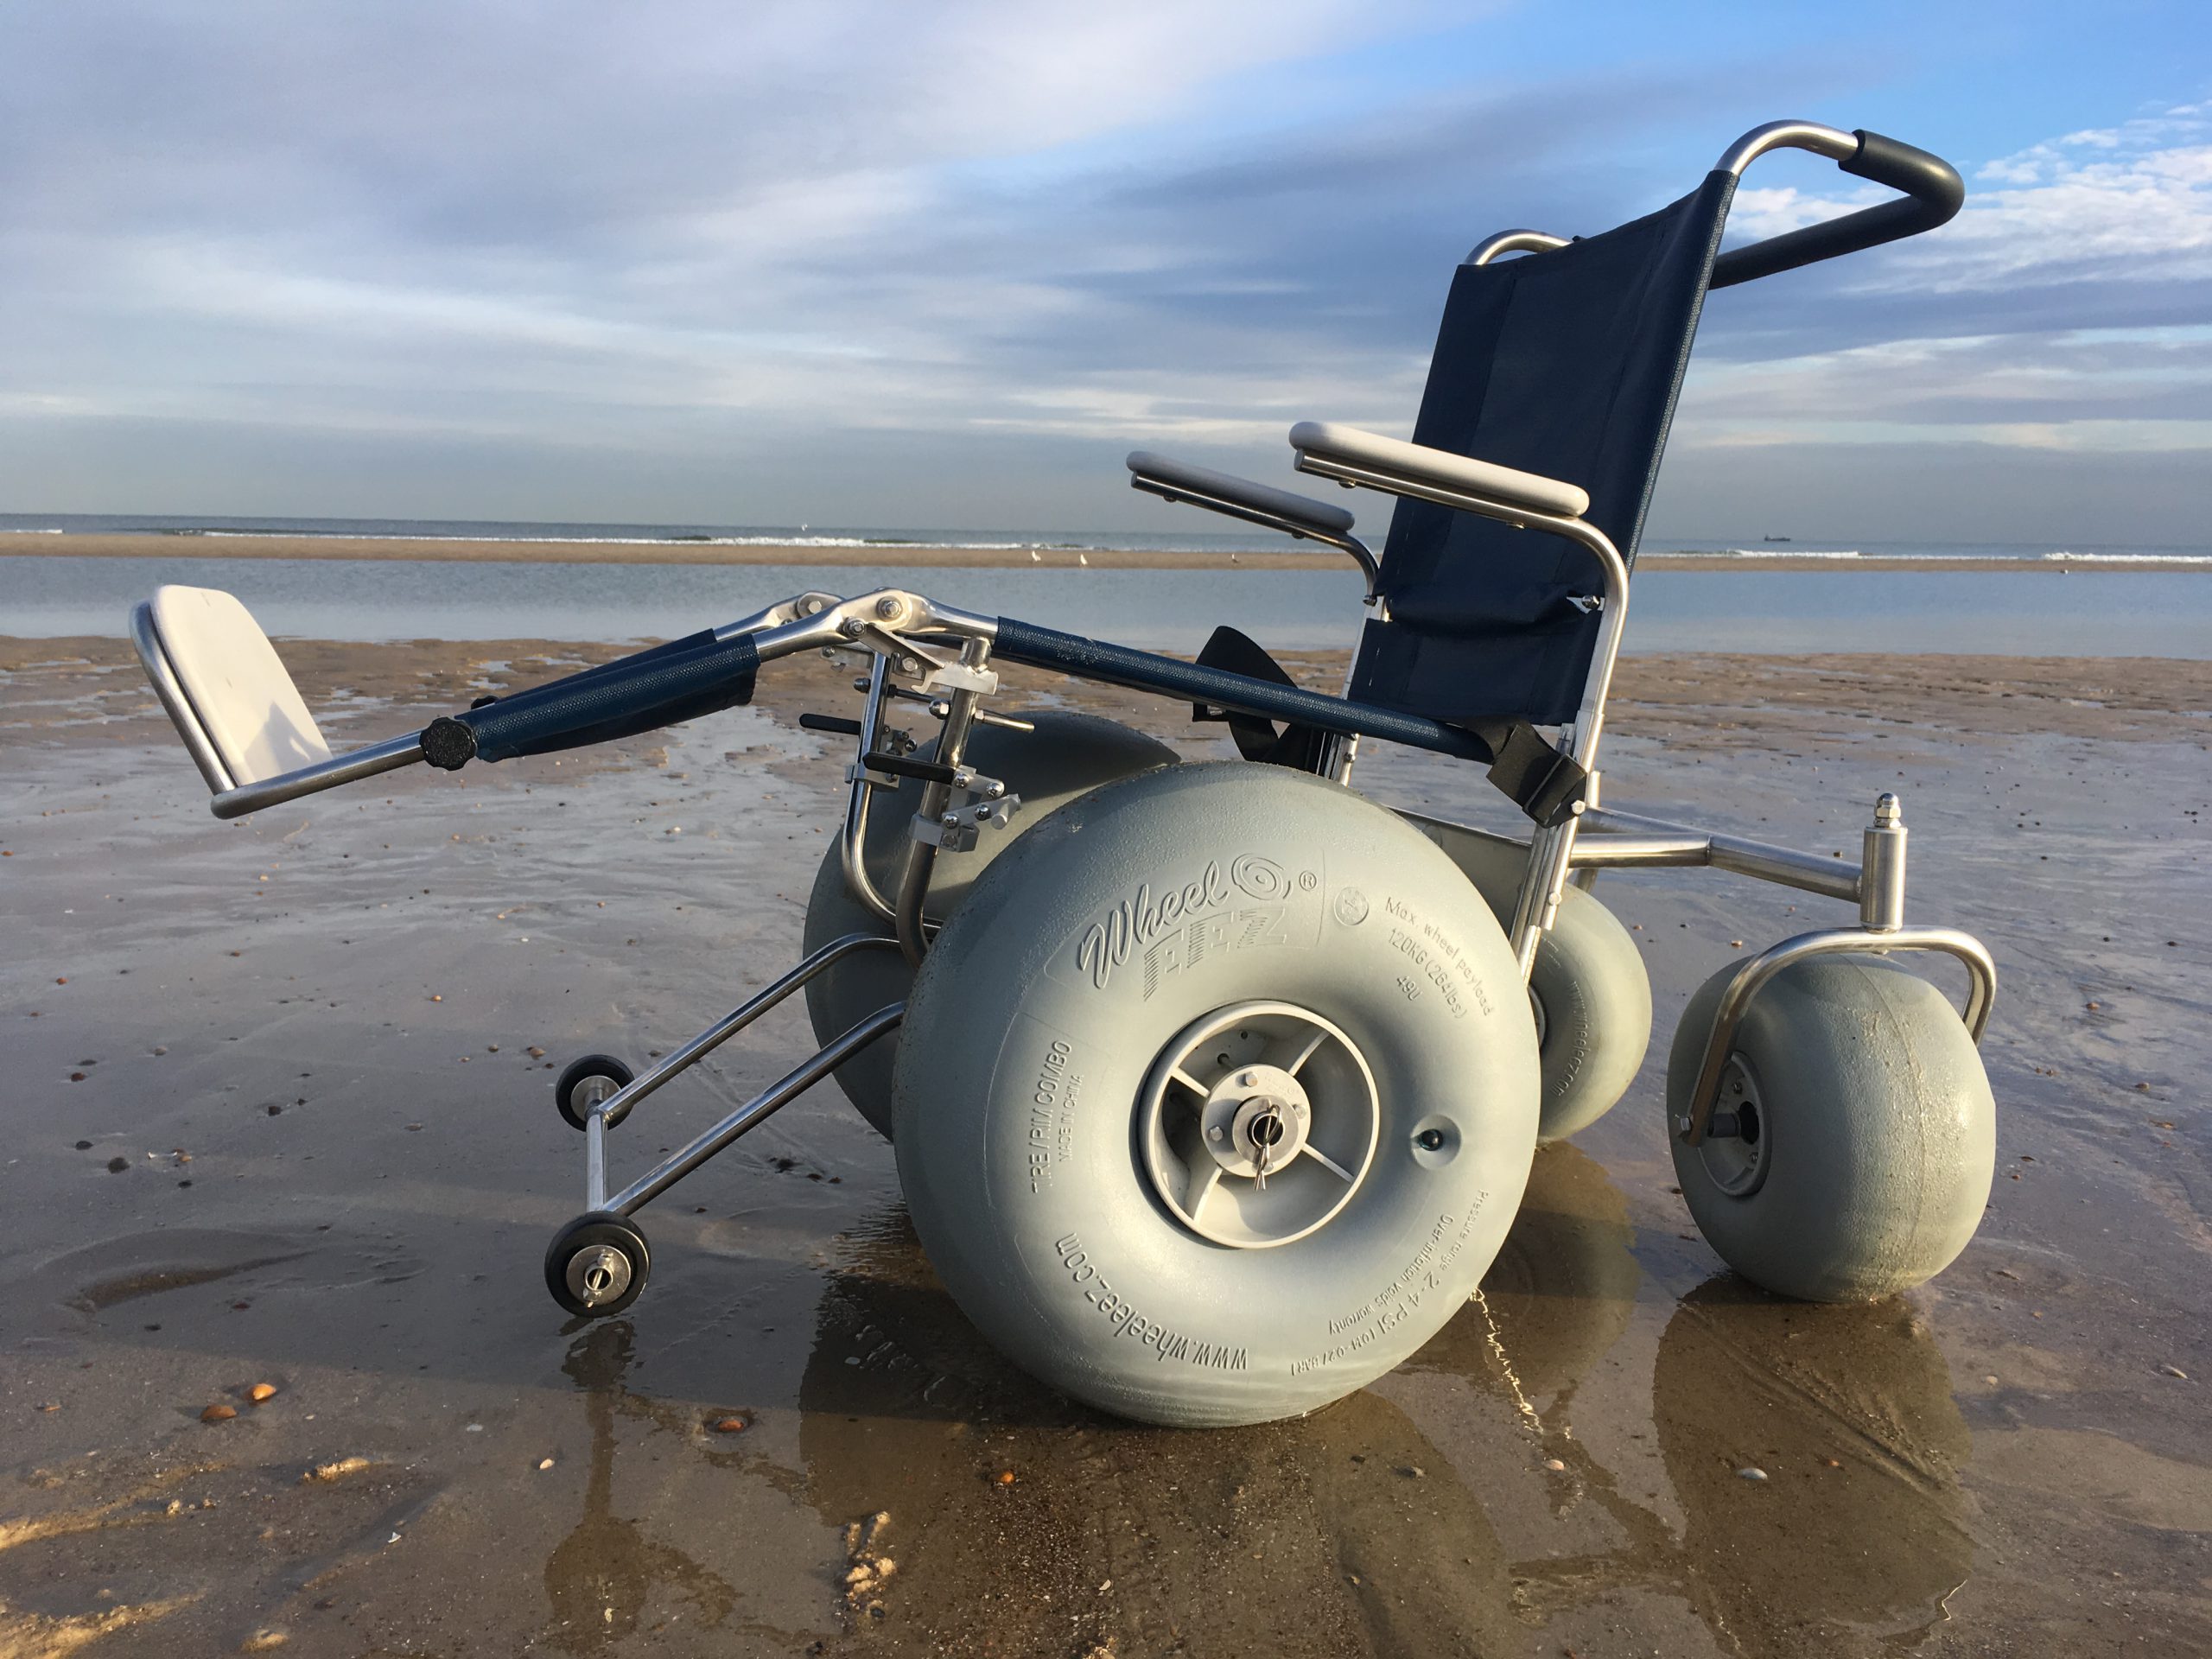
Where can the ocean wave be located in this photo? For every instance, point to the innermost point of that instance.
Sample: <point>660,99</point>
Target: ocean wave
<point>30,530</point>
<point>888,543</point>
<point>2063,557</point>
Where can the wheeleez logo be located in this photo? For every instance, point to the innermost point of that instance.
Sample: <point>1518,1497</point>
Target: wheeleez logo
<point>1179,925</point>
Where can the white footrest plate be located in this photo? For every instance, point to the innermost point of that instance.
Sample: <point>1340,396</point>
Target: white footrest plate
<point>223,686</point>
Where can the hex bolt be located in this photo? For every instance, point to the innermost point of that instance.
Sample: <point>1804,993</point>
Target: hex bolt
<point>1246,1079</point>
<point>888,608</point>
<point>1887,812</point>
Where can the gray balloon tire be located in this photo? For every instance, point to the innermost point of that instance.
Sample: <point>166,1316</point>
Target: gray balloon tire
<point>1026,1044</point>
<point>1881,1131</point>
<point>1590,978</point>
<point>1066,755</point>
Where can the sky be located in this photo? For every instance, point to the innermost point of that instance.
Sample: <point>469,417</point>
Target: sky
<point>866,264</point>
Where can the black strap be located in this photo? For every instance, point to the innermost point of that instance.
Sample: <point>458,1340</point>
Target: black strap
<point>1297,746</point>
<point>1536,776</point>
<point>1525,766</point>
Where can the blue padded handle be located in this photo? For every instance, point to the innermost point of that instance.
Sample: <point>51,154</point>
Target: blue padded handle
<point>681,680</point>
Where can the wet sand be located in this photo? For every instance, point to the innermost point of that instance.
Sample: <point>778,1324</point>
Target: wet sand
<point>279,1114</point>
<point>1272,555</point>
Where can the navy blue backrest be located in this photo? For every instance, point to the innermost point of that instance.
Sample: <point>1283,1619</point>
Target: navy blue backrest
<point>1564,363</point>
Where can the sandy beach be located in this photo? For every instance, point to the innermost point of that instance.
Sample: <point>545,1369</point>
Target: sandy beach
<point>283,1115</point>
<point>1272,554</point>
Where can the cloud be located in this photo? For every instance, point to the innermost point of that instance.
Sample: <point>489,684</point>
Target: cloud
<point>845,260</point>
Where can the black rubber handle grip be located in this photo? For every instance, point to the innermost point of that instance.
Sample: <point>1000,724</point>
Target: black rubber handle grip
<point>930,772</point>
<point>679,681</point>
<point>1933,195</point>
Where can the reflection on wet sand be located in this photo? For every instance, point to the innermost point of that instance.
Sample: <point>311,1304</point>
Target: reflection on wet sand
<point>1848,1412</point>
<point>1560,1294</point>
<point>1343,1532</point>
<point>600,1579</point>
<point>1352,1530</point>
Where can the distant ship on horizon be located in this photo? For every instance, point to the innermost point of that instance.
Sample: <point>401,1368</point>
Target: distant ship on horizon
<point>1774,538</point>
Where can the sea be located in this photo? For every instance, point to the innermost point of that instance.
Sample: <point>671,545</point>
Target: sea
<point>2104,606</point>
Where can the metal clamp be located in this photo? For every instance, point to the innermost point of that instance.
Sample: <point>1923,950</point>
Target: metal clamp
<point>957,829</point>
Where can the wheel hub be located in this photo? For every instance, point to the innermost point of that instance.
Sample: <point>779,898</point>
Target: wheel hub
<point>1737,1162</point>
<point>1257,1123</point>
<point>597,1274</point>
<point>1253,1107</point>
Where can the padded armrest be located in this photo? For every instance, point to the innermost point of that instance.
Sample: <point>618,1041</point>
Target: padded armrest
<point>1437,469</point>
<point>1172,478</point>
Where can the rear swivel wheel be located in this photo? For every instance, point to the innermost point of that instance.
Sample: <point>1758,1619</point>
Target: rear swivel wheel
<point>1066,755</point>
<point>585,1082</point>
<point>1589,990</point>
<point>597,1264</point>
<point>1217,1096</point>
<point>1854,1136</point>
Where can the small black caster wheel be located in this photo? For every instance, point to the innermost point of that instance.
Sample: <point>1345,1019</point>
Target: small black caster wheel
<point>586,1083</point>
<point>597,1264</point>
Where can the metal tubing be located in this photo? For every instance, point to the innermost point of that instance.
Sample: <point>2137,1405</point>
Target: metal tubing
<point>853,841</point>
<point>387,756</point>
<point>1729,1015</point>
<point>920,858</point>
<point>1513,242</point>
<point>916,861</point>
<point>1831,142</point>
<point>1345,542</point>
<point>1655,841</point>
<point>154,657</point>
<point>617,1105</point>
<point>1590,718</point>
<point>782,611</point>
<point>1542,885</point>
<point>1881,882</point>
<point>1595,852</point>
<point>595,1158</point>
<point>756,1111</point>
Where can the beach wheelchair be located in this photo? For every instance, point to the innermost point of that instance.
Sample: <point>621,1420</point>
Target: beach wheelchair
<point>1213,1087</point>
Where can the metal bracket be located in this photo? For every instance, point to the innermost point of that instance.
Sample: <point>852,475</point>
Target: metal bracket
<point>957,830</point>
<point>1728,1017</point>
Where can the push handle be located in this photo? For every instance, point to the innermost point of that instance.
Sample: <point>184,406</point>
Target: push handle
<point>681,680</point>
<point>1933,193</point>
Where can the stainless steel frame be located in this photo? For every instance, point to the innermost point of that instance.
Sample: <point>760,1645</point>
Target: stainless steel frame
<point>604,1114</point>
<point>1552,847</point>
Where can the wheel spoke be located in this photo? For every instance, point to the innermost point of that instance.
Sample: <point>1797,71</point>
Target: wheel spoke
<point>1179,1075</point>
<point>1195,1195</point>
<point>1326,1162</point>
<point>1312,1047</point>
